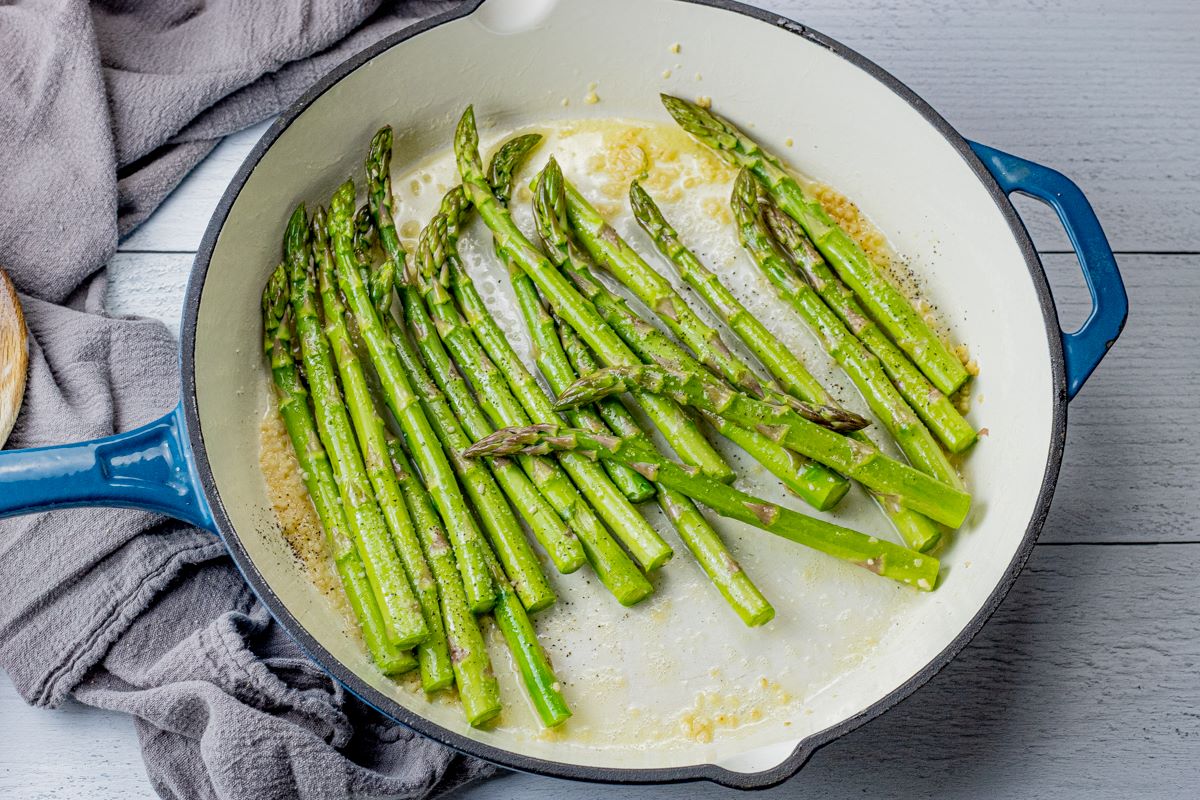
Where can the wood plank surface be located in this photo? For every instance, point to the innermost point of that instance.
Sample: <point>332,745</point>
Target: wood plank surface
<point>1085,683</point>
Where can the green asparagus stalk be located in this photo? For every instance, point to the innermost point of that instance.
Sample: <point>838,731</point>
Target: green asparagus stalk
<point>881,557</point>
<point>684,437</point>
<point>509,613</point>
<point>543,686</point>
<point>642,541</point>
<point>618,574</point>
<point>477,686</point>
<point>402,614</point>
<point>379,195</point>
<point>460,413</point>
<point>815,484</point>
<point>614,568</point>
<point>863,462</point>
<point>918,531</point>
<point>433,653</point>
<point>700,538</point>
<point>884,301</point>
<point>473,338</point>
<point>548,355</point>
<point>819,486</point>
<point>610,251</point>
<point>366,239</point>
<point>582,361</point>
<point>541,326</point>
<point>552,532</point>
<point>654,347</point>
<point>469,546</point>
<point>860,364</point>
<point>500,524</point>
<point>318,478</point>
<point>934,408</point>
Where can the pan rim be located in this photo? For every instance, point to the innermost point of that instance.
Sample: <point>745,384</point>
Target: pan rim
<point>539,766</point>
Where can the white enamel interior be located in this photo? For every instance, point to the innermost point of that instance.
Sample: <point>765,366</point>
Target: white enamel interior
<point>843,638</point>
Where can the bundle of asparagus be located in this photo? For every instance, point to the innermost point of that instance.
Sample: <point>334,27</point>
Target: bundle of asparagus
<point>357,329</point>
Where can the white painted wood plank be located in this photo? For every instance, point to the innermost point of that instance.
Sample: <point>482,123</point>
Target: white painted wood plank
<point>67,753</point>
<point>179,223</point>
<point>148,285</point>
<point>1131,471</point>
<point>1103,91</point>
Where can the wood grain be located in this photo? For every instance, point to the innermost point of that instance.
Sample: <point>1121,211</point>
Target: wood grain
<point>14,356</point>
<point>1084,684</point>
<point>1131,471</point>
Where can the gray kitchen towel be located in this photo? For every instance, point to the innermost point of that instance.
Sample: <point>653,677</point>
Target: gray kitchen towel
<point>103,109</point>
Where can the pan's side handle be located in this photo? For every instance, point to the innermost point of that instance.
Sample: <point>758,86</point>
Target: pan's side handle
<point>149,468</point>
<point>1082,349</point>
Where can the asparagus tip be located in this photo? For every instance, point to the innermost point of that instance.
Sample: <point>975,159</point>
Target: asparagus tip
<point>509,441</point>
<point>295,237</point>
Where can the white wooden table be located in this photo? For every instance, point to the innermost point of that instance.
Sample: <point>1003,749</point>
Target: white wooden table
<point>1087,680</point>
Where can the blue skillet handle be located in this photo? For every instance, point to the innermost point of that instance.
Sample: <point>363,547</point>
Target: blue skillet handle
<point>1084,348</point>
<point>148,468</point>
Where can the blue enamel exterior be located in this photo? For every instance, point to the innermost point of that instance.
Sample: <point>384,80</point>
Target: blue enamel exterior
<point>150,467</point>
<point>1083,349</point>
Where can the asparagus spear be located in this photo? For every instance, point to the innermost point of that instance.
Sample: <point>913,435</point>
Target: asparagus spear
<point>501,171</point>
<point>618,574</point>
<point>318,478</point>
<point>933,407</point>
<point>433,653</point>
<point>532,662</point>
<point>541,325</point>
<point>813,482</point>
<point>879,556</point>
<point>469,546</point>
<point>639,538</point>
<point>402,614</point>
<point>883,300</point>
<point>548,355</point>
<point>704,543</point>
<point>684,437</point>
<point>366,238</point>
<point>614,568</point>
<point>551,531</point>
<point>474,338</point>
<point>477,686</point>
<point>610,251</point>
<point>918,531</point>
<point>912,489</point>
<point>504,532</point>
<point>499,523</point>
<point>862,366</point>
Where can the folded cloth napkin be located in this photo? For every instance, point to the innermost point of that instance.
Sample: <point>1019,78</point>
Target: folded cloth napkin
<point>103,109</point>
